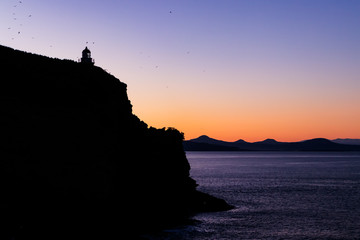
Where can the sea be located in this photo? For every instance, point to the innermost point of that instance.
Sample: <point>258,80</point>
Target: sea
<point>276,195</point>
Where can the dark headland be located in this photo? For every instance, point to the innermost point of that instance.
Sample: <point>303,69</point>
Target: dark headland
<point>76,163</point>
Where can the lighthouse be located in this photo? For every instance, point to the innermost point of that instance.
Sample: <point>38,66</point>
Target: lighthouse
<point>86,57</point>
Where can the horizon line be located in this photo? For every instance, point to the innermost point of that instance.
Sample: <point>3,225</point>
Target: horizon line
<point>239,139</point>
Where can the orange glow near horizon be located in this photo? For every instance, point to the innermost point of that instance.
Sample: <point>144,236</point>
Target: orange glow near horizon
<point>285,121</point>
<point>290,133</point>
<point>253,132</point>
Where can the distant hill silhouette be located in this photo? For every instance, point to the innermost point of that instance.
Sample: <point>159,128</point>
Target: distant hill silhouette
<point>205,143</point>
<point>348,141</point>
<point>76,163</point>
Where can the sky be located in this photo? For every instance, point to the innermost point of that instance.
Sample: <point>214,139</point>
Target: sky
<point>230,69</point>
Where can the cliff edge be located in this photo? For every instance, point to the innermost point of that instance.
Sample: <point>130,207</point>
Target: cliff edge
<point>77,163</point>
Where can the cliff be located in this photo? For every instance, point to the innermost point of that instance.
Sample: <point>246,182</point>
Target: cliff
<point>77,163</point>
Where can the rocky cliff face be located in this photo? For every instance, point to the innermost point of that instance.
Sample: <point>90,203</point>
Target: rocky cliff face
<point>75,162</point>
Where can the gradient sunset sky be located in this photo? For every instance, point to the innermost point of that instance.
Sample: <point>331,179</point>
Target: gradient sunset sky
<point>230,69</point>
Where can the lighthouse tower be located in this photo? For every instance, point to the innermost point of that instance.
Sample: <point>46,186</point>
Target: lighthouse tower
<point>86,57</point>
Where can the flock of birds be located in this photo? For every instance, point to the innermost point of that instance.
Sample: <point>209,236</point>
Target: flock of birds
<point>16,18</point>
<point>17,25</point>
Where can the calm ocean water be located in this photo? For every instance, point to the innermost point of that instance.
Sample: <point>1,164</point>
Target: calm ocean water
<point>277,195</point>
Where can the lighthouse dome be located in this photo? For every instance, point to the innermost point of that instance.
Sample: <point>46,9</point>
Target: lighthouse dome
<point>86,50</point>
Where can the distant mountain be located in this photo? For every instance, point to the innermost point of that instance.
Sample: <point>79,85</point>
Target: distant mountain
<point>205,143</point>
<point>269,141</point>
<point>208,140</point>
<point>240,141</point>
<point>347,141</point>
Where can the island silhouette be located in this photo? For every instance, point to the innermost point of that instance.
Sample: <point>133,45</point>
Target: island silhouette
<point>76,163</point>
<point>205,143</point>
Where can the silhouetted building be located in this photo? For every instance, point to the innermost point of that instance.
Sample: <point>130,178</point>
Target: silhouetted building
<point>86,57</point>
